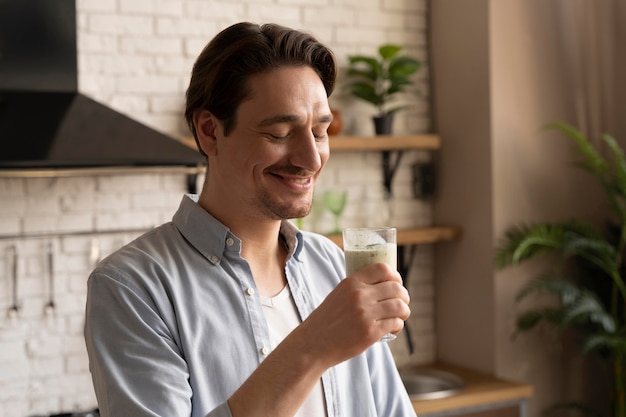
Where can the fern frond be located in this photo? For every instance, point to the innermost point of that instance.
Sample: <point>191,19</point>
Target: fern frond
<point>527,241</point>
<point>619,163</point>
<point>551,284</point>
<point>579,306</point>
<point>615,188</point>
<point>531,318</point>
<point>598,342</point>
<point>567,238</point>
<point>595,250</point>
<point>592,160</point>
<point>587,309</point>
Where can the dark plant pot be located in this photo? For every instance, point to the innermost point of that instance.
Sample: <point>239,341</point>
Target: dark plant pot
<point>383,124</point>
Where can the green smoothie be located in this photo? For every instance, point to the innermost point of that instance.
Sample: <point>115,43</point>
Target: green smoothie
<point>358,258</point>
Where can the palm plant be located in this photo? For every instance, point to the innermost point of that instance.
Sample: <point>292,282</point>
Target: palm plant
<point>588,280</point>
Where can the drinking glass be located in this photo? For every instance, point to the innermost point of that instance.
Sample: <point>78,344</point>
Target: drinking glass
<point>335,202</point>
<point>368,245</point>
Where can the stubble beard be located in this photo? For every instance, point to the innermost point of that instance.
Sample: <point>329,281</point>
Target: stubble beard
<point>279,209</point>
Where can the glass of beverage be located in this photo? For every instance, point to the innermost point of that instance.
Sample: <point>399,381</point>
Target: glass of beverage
<point>368,245</point>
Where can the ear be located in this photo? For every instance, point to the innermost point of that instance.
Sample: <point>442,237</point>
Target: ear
<point>206,128</point>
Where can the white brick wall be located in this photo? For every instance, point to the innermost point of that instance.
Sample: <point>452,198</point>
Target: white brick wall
<point>136,55</point>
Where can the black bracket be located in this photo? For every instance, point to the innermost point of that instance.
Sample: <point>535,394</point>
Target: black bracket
<point>389,170</point>
<point>404,266</point>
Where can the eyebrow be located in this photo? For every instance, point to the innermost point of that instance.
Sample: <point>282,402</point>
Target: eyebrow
<point>286,118</point>
<point>289,118</point>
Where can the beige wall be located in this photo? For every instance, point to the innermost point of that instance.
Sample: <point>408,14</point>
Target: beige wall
<point>499,75</point>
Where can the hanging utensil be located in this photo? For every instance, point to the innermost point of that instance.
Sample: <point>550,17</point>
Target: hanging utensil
<point>49,307</point>
<point>15,308</point>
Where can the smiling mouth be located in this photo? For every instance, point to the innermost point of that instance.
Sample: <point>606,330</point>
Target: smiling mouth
<point>294,180</point>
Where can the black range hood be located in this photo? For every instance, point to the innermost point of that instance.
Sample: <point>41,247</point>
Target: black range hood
<point>45,123</point>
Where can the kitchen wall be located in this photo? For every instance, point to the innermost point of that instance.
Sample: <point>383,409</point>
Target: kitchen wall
<point>135,55</point>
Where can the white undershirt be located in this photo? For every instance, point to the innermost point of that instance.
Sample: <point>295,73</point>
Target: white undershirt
<point>282,317</point>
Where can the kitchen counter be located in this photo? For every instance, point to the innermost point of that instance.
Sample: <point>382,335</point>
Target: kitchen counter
<point>481,393</point>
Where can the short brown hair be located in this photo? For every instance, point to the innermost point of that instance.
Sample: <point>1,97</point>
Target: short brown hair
<point>220,74</point>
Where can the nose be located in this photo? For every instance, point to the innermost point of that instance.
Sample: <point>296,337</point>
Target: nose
<point>308,153</point>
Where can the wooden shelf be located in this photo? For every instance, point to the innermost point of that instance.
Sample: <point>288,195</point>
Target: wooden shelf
<point>369,143</point>
<point>417,236</point>
<point>384,142</point>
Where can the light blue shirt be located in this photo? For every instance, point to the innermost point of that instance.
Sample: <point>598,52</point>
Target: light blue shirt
<point>174,324</point>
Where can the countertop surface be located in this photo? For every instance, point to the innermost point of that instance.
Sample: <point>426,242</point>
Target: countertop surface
<point>479,390</point>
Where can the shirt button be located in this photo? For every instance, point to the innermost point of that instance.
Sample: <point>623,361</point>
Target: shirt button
<point>265,351</point>
<point>250,291</point>
<point>215,259</point>
<point>230,241</point>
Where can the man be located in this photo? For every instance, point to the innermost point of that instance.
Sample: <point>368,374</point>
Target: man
<point>229,310</point>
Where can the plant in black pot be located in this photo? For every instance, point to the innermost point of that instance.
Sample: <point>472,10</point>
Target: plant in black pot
<point>379,79</point>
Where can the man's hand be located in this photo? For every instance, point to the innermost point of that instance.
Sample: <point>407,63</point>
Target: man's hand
<point>357,313</point>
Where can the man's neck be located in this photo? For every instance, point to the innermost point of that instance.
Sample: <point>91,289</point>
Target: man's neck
<point>261,245</point>
<point>266,257</point>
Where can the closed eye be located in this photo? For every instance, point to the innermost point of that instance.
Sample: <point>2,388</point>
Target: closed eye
<point>322,135</point>
<point>279,137</point>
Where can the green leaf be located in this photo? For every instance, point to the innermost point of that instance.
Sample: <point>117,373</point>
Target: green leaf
<point>363,59</point>
<point>364,66</point>
<point>618,157</point>
<point>527,241</point>
<point>619,175</point>
<point>566,239</point>
<point>403,67</point>
<point>367,93</point>
<point>595,250</point>
<point>555,285</point>
<point>592,160</point>
<point>599,342</point>
<point>579,305</point>
<point>587,309</point>
<point>531,318</point>
<point>388,51</point>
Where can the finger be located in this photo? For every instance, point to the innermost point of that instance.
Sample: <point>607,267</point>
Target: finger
<point>392,308</point>
<point>378,272</point>
<point>391,290</point>
<point>391,325</point>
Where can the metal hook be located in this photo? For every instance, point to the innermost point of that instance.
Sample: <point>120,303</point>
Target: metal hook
<point>49,307</point>
<point>15,308</point>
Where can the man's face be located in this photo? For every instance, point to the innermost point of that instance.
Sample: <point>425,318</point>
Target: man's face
<point>269,163</point>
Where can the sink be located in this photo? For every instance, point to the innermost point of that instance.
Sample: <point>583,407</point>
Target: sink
<point>429,384</point>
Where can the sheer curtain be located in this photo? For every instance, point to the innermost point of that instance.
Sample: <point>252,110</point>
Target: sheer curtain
<point>593,36</point>
<point>590,31</point>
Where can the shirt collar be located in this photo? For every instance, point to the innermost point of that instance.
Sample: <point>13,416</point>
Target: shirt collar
<point>209,236</point>
<point>293,238</point>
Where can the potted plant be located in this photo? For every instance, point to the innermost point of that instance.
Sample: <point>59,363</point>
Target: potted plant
<point>379,79</point>
<point>588,279</point>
